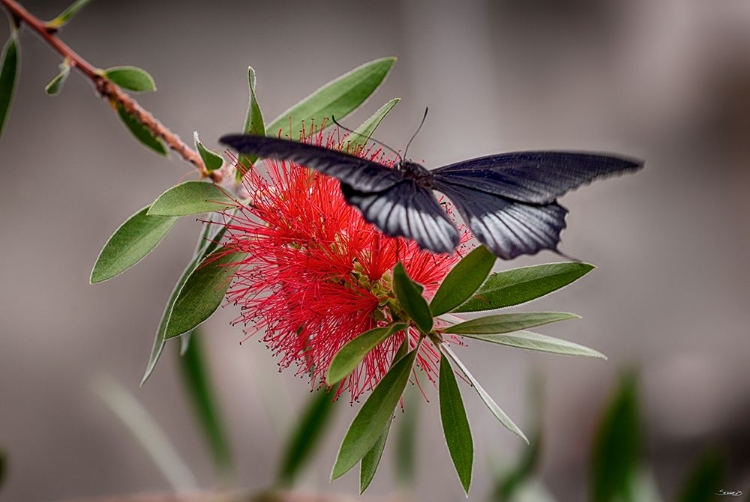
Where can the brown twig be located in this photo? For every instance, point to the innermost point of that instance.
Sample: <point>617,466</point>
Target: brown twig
<point>107,89</point>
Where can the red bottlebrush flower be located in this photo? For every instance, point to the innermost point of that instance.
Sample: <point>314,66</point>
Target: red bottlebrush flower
<point>316,274</point>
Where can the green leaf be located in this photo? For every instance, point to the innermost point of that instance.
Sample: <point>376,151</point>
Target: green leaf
<point>207,243</point>
<point>521,285</point>
<point>130,78</point>
<point>211,160</point>
<point>336,99</point>
<point>406,448</point>
<point>705,482</point>
<point>455,425</point>
<point>306,436</point>
<point>361,135</point>
<point>254,124</point>
<point>67,14</point>
<point>409,296</point>
<point>617,446</point>
<point>488,401</point>
<point>3,466</point>
<point>146,431</point>
<point>510,486</point>
<point>141,132</point>
<point>191,197</point>
<point>57,83</point>
<point>203,292</point>
<point>372,419</point>
<point>505,323</point>
<point>351,354</point>
<point>196,379</point>
<point>536,341</point>
<point>463,280</point>
<point>370,462</point>
<point>8,76</point>
<point>130,244</point>
<point>369,465</point>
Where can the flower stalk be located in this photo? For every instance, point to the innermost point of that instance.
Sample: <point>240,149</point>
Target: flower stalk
<point>107,89</point>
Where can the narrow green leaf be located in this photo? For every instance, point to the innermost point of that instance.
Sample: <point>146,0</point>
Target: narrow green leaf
<point>67,14</point>
<point>374,416</point>
<point>463,280</point>
<point>645,488</point>
<point>488,401</point>
<point>57,83</point>
<point>617,446</point>
<point>8,76</point>
<point>130,244</point>
<point>3,466</point>
<point>202,293</point>
<point>361,135</point>
<point>336,99</point>
<point>521,285</point>
<point>254,123</point>
<point>191,197</point>
<point>211,160</point>
<point>131,78</point>
<point>510,486</point>
<point>409,296</point>
<point>371,461</point>
<point>207,243</point>
<point>351,354</point>
<point>705,482</point>
<point>536,341</point>
<point>455,425</point>
<point>146,430</point>
<point>141,132</point>
<point>505,323</point>
<point>196,379</point>
<point>160,340</point>
<point>210,239</point>
<point>305,437</point>
<point>369,465</point>
<point>406,444</point>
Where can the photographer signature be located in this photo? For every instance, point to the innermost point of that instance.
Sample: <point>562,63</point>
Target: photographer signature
<point>735,493</point>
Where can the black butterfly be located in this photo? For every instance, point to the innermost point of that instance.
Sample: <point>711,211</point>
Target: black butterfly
<point>509,200</point>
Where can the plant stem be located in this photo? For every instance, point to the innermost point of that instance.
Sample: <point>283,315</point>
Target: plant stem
<point>107,89</point>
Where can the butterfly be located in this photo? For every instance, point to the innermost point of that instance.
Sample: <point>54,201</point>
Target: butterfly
<point>509,201</point>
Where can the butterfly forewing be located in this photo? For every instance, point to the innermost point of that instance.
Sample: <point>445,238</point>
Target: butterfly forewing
<point>507,227</point>
<point>535,177</point>
<point>508,200</point>
<point>361,174</point>
<point>407,210</point>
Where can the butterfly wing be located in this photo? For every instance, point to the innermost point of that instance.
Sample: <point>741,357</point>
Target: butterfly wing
<point>358,173</point>
<point>533,177</point>
<point>509,228</point>
<point>407,209</point>
<point>397,205</point>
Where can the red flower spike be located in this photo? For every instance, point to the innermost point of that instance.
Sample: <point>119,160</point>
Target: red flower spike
<point>316,274</point>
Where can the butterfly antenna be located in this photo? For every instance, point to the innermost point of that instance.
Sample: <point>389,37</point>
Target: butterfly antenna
<point>367,138</point>
<point>568,257</point>
<point>417,131</point>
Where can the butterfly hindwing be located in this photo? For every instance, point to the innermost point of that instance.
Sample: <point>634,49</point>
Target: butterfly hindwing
<point>509,228</point>
<point>535,177</point>
<point>361,174</point>
<point>407,210</point>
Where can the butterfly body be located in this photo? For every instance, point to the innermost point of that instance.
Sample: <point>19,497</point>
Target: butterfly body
<point>509,201</point>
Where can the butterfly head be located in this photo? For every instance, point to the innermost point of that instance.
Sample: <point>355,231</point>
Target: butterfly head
<point>414,171</point>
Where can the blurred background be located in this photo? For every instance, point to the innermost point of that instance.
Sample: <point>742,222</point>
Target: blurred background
<point>665,81</point>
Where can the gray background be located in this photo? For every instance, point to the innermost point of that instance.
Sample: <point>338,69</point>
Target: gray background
<point>666,81</point>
